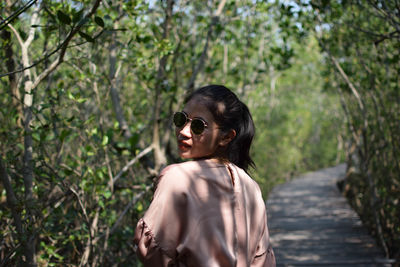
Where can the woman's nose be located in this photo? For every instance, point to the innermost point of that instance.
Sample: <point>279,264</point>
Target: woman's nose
<point>185,130</point>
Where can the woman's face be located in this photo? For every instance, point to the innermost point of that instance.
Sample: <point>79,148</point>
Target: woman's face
<point>192,146</point>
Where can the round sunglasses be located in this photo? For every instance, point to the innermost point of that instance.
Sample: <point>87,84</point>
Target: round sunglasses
<point>197,125</point>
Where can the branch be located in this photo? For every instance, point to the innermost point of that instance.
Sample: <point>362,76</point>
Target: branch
<point>381,36</point>
<point>20,41</point>
<point>133,202</point>
<point>90,243</point>
<point>10,18</point>
<point>32,30</point>
<point>70,169</point>
<point>11,199</point>
<point>388,14</point>
<point>387,36</point>
<point>81,204</point>
<point>341,71</point>
<point>113,79</point>
<point>86,254</point>
<point>347,80</point>
<point>131,162</point>
<point>159,153</point>
<point>63,47</point>
<point>220,8</point>
<point>123,213</point>
<point>203,57</point>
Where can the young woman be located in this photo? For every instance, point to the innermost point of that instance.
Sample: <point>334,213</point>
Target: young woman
<point>208,211</point>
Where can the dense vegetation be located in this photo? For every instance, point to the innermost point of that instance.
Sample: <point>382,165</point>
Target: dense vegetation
<point>360,40</point>
<point>88,89</point>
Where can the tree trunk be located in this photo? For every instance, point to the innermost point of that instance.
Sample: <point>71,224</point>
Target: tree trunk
<point>113,78</point>
<point>29,239</point>
<point>159,152</point>
<point>10,64</point>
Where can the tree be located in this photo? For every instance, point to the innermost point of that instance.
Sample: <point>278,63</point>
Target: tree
<point>27,233</point>
<point>86,120</point>
<point>360,41</point>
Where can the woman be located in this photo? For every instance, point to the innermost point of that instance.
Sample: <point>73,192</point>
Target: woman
<point>208,212</point>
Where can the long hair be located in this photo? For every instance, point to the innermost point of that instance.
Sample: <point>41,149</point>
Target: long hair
<point>230,113</point>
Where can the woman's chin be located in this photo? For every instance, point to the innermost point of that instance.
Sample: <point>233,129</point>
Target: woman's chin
<point>184,154</point>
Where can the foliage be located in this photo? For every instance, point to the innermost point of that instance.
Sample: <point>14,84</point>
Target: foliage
<point>360,41</point>
<point>300,122</point>
<point>87,92</point>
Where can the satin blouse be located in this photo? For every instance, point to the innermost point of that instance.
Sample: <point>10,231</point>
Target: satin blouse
<point>205,213</point>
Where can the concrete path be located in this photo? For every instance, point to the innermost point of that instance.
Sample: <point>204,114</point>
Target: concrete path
<point>311,224</point>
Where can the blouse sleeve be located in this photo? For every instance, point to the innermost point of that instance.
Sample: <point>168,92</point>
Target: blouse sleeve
<point>148,251</point>
<point>264,256</point>
<point>160,231</point>
<point>266,259</point>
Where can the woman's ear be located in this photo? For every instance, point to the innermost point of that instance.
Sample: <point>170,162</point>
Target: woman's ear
<point>227,137</point>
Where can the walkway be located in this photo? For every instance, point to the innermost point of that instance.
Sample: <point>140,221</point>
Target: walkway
<point>311,224</point>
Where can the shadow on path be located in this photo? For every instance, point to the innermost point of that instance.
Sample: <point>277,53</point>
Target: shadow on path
<point>311,224</point>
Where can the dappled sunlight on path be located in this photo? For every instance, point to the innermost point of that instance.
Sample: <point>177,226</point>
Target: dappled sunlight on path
<point>311,224</point>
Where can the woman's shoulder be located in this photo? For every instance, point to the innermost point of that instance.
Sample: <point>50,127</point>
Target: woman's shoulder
<point>247,180</point>
<point>189,167</point>
<point>184,173</point>
<point>177,175</point>
<point>182,168</point>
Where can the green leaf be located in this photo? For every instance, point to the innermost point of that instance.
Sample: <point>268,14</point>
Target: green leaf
<point>64,134</point>
<point>107,194</point>
<point>71,96</point>
<point>63,18</point>
<point>83,21</point>
<point>105,140</point>
<point>139,207</point>
<point>36,137</point>
<point>71,119</point>
<point>68,172</point>
<point>99,21</point>
<point>77,16</point>
<point>134,140</point>
<point>44,106</point>
<point>81,100</point>
<point>87,37</point>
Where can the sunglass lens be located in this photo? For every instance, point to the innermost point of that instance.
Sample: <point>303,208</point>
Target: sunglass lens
<point>197,126</point>
<point>179,119</point>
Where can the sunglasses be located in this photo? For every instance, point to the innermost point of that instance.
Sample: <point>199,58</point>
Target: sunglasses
<point>197,125</point>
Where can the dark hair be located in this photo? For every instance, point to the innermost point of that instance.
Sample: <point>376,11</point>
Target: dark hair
<point>234,114</point>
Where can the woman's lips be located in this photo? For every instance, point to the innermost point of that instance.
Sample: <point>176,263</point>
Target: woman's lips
<point>183,145</point>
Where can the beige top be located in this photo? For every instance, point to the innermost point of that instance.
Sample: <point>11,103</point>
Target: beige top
<point>207,214</point>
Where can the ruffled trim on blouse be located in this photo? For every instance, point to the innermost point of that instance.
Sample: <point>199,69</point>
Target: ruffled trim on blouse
<point>265,259</point>
<point>147,248</point>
